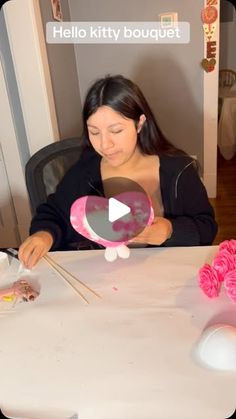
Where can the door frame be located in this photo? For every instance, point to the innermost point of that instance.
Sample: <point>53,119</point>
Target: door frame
<point>210,118</point>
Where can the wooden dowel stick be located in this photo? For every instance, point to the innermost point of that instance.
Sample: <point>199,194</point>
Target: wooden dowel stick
<point>66,279</point>
<point>72,276</point>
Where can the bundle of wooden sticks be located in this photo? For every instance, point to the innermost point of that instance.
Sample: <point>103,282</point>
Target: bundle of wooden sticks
<point>71,279</point>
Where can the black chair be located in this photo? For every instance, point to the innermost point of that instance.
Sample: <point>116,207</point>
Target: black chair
<point>46,168</point>
<point>227,78</point>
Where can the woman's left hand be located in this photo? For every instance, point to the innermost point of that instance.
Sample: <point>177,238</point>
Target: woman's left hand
<point>157,233</point>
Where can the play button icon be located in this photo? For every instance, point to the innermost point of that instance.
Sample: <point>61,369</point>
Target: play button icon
<point>116,210</point>
<point>120,214</point>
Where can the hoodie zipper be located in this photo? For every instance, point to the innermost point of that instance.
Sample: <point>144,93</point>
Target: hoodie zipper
<point>93,187</point>
<point>177,179</point>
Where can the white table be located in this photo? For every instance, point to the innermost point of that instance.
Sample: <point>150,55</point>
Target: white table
<point>227,123</point>
<point>127,355</point>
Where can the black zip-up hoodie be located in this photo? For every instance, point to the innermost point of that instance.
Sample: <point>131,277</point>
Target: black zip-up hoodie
<point>184,199</point>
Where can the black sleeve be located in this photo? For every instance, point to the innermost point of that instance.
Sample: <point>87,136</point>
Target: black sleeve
<point>54,215</point>
<point>194,223</point>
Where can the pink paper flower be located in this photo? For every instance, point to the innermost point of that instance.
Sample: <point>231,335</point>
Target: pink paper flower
<point>229,245</point>
<point>209,281</point>
<point>223,263</point>
<point>230,284</point>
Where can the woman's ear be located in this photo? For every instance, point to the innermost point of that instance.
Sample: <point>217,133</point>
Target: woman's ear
<point>141,121</point>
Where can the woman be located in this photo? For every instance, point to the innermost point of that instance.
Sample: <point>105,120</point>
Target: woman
<point>122,139</point>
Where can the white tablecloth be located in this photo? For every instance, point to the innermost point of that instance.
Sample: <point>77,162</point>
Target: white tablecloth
<point>127,355</point>
<point>227,123</point>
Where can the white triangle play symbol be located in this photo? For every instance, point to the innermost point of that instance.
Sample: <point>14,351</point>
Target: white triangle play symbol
<point>116,209</point>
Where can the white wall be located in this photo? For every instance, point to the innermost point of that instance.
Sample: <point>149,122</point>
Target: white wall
<point>14,206</point>
<point>62,64</point>
<point>27,45</point>
<point>169,75</point>
<point>183,97</point>
<point>28,117</point>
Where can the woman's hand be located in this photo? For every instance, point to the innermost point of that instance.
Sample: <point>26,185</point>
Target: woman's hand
<point>157,233</point>
<point>34,248</point>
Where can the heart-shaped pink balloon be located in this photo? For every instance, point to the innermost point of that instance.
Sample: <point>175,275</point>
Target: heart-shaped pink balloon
<point>89,214</point>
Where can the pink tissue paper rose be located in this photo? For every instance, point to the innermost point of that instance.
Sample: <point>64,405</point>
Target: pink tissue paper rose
<point>230,284</point>
<point>223,263</point>
<point>209,281</point>
<point>229,245</point>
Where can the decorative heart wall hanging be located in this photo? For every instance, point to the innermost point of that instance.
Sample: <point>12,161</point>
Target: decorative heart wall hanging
<point>209,16</point>
<point>208,65</point>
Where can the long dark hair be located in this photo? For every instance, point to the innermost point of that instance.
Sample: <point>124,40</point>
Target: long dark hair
<point>125,97</point>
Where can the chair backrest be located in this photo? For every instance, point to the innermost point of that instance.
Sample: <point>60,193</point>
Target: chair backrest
<point>46,168</point>
<point>227,78</point>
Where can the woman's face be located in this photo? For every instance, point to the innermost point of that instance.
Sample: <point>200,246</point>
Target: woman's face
<point>112,135</point>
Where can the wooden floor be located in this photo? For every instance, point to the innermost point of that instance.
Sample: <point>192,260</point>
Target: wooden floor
<point>225,202</point>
